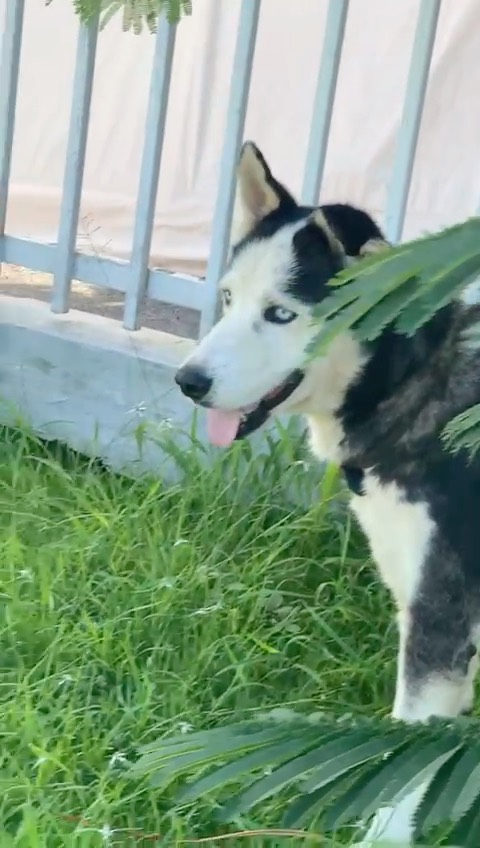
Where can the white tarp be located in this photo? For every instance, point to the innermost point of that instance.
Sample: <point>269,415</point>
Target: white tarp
<point>446,182</point>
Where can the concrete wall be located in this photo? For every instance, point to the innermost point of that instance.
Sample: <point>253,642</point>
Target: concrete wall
<point>85,380</point>
<point>108,392</point>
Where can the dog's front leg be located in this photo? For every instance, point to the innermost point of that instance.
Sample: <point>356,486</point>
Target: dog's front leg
<point>436,665</point>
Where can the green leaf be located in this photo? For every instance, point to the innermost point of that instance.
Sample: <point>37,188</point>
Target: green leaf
<point>359,765</point>
<point>463,431</point>
<point>285,774</point>
<point>220,750</point>
<point>202,737</point>
<point>136,13</point>
<point>390,780</point>
<point>368,294</point>
<point>344,308</point>
<point>358,747</point>
<point>205,748</point>
<point>466,832</point>
<point>305,807</point>
<point>387,310</point>
<point>439,291</point>
<point>375,260</point>
<point>443,791</point>
<point>416,764</point>
<point>362,798</point>
<point>459,789</point>
<point>262,758</point>
<point>339,755</point>
<point>370,794</point>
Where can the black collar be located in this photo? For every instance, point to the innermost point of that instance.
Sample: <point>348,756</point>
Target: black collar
<point>354,478</point>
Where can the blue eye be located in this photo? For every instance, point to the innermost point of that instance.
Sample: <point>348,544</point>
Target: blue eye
<point>279,315</point>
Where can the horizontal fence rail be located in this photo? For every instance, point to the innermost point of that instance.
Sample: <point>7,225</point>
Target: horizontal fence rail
<point>135,278</point>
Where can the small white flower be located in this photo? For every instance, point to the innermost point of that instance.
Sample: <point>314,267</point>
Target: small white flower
<point>208,610</point>
<point>65,680</point>
<point>185,727</point>
<point>139,409</point>
<point>106,833</point>
<point>118,759</point>
<point>26,574</point>
<point>166,583</point>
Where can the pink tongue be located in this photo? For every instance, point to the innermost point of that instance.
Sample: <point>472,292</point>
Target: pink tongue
<point>222,427</point>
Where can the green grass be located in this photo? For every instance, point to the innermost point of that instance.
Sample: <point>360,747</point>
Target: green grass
<point>130,610</point>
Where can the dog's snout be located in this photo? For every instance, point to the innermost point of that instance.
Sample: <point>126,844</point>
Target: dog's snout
<point>194,382</point>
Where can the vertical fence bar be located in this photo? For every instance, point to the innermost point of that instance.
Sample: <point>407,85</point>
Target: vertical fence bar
<point>411,118</point>
<point>74,164</point>
<point>324,100</point>
<point>11,45</point>
<point>149,171</point>
<point>237,107</point>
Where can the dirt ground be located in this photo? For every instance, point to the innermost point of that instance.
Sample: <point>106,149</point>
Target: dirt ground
<point>21,282</point>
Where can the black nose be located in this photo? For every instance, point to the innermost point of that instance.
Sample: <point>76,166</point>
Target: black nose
<point>193,382</point>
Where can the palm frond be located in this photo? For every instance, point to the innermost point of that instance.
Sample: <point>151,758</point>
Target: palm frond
<point>136,13</point>
<point>463,431</point>
<point>403,285</point>
<point>341,770</point>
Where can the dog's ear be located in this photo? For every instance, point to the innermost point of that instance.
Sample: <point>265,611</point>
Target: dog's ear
<point>373,246</point>
<point>318,225</point>
<point>258,192</point>
<point>317,244</point>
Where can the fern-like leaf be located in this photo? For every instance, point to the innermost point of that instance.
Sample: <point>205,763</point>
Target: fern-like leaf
<point>136,13</point>
<point>306,806</point>
<point>400,776</point>
<point>338,756</point>
<point>344,771</point>
<point>463,431</point>
<point>466,832</point>
<point>171,756</point>
<point>404,285</point>
<point>456,787</point>
<point>236,769</point>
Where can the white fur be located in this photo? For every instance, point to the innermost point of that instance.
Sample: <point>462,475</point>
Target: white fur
<point>247,356</point>
<point>399,534</point>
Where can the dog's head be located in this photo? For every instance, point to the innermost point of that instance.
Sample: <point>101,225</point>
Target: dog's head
<point>253,362</point>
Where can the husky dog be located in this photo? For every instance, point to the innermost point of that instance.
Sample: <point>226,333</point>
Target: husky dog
<point>376,409</point>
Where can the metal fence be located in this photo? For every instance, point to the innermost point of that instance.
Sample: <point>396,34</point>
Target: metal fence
<point>135,278</point>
